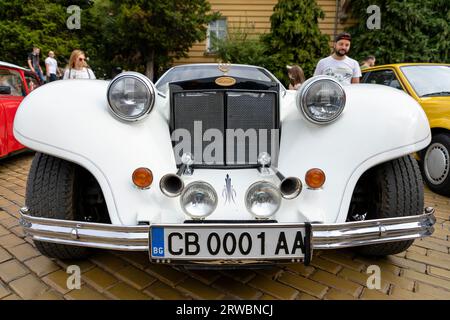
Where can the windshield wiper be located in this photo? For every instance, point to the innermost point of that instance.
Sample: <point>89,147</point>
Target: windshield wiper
<point>440,93</point>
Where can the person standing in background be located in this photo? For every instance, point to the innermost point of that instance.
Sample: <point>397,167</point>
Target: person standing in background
<point>368,62</point>
<point>34,63</point>
<point>51,67</point>
<point>78,68</point>
<point>296,77</point>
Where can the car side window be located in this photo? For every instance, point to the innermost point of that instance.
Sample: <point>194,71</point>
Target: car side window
<point>32,82</point>
<point>13,80</point>
<point>383,77</point>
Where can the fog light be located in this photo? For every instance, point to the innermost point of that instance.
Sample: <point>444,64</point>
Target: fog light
<point>199,200</point>
<point>263,199</point>
<point>315,178</point>
<point>142,178</point>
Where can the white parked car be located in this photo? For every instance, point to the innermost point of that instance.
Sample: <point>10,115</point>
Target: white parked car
<point>220,164</point>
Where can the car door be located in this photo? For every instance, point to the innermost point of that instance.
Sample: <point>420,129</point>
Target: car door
<point>8,107</point>
<point>386,77</point>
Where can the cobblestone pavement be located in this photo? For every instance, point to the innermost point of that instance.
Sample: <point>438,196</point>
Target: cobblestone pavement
<point>423,272</point>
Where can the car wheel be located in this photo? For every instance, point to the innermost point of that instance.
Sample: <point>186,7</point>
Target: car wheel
<point>436,164</point>
<point>51,193</point>
<point>393,189</point>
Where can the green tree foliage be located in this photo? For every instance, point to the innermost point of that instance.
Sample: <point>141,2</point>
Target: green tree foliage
<point>411,31</point>
<point>241,48</point>
<point>295,37</point>
<point>142,33</point>
<point>38,22</point>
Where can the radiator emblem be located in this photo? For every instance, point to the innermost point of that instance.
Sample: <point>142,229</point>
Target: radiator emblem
<point>225,81</point>
<point>228,191</point>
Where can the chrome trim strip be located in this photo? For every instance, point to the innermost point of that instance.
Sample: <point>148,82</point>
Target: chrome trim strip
<point>136,238</point>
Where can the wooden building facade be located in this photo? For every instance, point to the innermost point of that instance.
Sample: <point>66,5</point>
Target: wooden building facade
<point>253,16</point>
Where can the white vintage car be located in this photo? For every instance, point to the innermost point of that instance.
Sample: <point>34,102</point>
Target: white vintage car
<point>220,164</point>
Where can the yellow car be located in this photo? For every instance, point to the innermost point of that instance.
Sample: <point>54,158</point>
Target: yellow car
<point>429,84</point>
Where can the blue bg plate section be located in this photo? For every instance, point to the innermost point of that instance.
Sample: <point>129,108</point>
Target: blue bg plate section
<point>157,242</point>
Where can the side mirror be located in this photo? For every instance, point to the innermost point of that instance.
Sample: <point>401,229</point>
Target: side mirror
<point>5,90</point>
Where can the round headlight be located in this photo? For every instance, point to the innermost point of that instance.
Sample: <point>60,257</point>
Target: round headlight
<point>199,200</point>
<point>263,199</point>
<point>321,99</point>
<point>131,96</point>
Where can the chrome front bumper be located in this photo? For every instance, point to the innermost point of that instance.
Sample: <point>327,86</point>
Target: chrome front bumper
<point>136,238</point>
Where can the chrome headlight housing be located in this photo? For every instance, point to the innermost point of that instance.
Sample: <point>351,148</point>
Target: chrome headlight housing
<point>321,99</point>
<point>263,199</point>
<point>131,96</point>
<point>199,200</point>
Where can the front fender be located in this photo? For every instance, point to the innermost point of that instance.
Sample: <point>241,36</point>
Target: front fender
<point>378,124</point>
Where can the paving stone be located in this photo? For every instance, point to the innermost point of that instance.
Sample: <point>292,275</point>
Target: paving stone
<point>84,265</point>
<point>437,293</point>
<point>166,274</point>
<point>434,271</point>
<point>384,265</point>
<point>273,288</point>
<point>4,255</point>
<point>28,287</point>
<point>271,273</point>
<point>406,263</point>
<point>12,297</point>
<point>198,290</point>
<point>398,281</point>
<point>58,280</point>
<point>430,260</point>
<point>237,289</point>
<point>84,293</point>
<point>122,291</point>
<point>138,259</point>
<point>338,283</point>
<point>135,277</point>
<point>431,245</point>
<point>418,250</point>
<point>437,282</point>
<point>24,252</point>
<point>372,294</point>
<point>109,262</point>
<point>205,276</point>
<point>49,295</point>
<point>439,255</point>
<point>4,291</point>
<point>11,270</point>
<point>402,294</point>
<point>305,285</point>
<point>301,269</point>
<point>240,275</point>
<point>305,296</point>
<point>362,278</point>
<point>10,240</point>
<point>41,265</point>
<point>99,279</point>
<point>334,294</point>
<point>266,296</point>
<point>342,260</point>
<point>326,265</point>
<point>161,291</point>
<point>3,231</point>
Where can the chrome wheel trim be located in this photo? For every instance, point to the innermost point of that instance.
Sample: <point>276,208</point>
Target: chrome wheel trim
<point>437,163</point>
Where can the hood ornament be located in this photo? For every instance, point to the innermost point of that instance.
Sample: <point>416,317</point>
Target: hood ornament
<point>228,191</point>
<point>224,67</point>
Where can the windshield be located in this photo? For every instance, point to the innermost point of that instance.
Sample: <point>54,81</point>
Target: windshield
<point>190,72</point>
<point>428,81</point>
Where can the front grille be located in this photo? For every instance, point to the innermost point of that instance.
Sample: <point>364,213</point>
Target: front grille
<point>225,128</point>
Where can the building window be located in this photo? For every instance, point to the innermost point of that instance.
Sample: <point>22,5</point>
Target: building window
<point>217,29</point>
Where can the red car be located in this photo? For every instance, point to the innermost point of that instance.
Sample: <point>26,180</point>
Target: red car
<point>15,83</point>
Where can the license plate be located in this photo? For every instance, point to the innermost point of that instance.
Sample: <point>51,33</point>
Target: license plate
<point>230,242</point>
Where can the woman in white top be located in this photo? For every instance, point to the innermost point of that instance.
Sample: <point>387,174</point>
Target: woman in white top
<point>78,68</point>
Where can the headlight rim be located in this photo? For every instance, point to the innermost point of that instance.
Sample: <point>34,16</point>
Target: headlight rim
<point>302,95</point>
<point>187,187</point>
<point>150,88</point>
<point>274,187</point>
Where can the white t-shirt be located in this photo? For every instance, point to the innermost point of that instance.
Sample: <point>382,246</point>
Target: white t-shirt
<point>52,65</point>
<point>342,70</point>
<point>84,73</point>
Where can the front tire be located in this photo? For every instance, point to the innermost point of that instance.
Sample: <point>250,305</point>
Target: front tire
<point>393,189</point>
<point>436,164</point>
<point>51,193</point>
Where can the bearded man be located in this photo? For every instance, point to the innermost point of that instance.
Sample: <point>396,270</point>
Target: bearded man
<point>339,66</point>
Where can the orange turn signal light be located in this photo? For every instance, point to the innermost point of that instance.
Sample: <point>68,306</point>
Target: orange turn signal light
<point>143,178</point>
<point>315,178</point>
